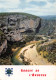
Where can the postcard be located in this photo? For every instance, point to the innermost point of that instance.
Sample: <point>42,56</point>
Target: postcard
<point>27,40</point>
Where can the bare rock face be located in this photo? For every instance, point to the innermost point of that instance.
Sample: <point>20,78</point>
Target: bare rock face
<point>3,43</point>
<point>14,26</point>
<point>29,24</point>
<point>48,27</point>
<point>14,36</point>
<point>3,47</point>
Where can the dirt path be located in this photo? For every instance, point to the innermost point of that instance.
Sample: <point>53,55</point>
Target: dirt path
<point>31,54</point>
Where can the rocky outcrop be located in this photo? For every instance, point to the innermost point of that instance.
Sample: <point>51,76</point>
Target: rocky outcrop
<point>16,25</point>
<point>3,43</point>
<point>3,47</point>
<point>29,24</point>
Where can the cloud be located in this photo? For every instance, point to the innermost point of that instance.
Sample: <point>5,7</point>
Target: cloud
<point>52,1</point>
<point>35,0</point>
<point>42,0</point>
<point>9,3</point>
<point>39,3</point>
<point>36,7</point>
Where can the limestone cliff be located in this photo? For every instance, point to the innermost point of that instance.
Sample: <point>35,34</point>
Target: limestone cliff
<point>3,43</point>
<point>14,26</point>
<point>3,47</point>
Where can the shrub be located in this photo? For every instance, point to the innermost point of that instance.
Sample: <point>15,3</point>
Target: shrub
<point>29,38</point>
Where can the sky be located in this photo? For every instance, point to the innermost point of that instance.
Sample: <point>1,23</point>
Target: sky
<point>35,7</point>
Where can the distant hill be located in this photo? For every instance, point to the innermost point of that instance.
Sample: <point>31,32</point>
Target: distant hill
<point>53,17</point>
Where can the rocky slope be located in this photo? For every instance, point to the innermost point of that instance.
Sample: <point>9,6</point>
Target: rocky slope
<point>48,50</point>
<point>15,25</point>
<point>3,43</point>
<point>48,27</point>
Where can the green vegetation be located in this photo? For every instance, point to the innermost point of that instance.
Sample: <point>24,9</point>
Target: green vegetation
<point>5,61</point>
<point>14,60</point>
<point>29,38</point>
<point>24,62</point>
<point>38,38</point>
<point>9,29</point>
<point>13,13</point>
<point>1,33</point>
<point>48,51</point>
<point>2,37</point>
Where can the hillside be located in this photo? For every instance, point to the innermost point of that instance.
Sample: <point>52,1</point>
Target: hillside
<point>28,23</point>
<point>18,29</point>
<point>48,50</point>
<point>48,27</point>
<point>50,17</point>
